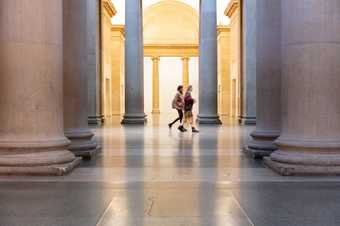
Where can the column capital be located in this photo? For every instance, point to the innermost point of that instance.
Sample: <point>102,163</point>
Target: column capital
<point>185,58</point>
<point>155,58</point>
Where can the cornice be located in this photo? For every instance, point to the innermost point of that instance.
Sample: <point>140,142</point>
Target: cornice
<point>109,7</point>
<point>231,8</point>
<point>118,28</point>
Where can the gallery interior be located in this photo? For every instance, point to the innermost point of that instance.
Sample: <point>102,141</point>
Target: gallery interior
<point>86,98</point>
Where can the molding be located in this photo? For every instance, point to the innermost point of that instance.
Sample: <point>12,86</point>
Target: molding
<point>231,8</point>
<point>109,7</point>
<point>118,28</point>
<point>171,50</point>
<point>223,29</point>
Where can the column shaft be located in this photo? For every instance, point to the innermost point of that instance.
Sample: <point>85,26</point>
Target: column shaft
<point>75,79</point>
<point>310,137</point>
<point>93,71</point>
<point>185,66</point>
<point>155,85</point>
<point>208,64</point>
<point>268,81</point>
<point>249,71</point>
<point>32,137</point>
<point>134,64</point>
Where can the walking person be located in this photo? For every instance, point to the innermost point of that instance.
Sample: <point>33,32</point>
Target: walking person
<point>178,104</point>
<point>188,106</point>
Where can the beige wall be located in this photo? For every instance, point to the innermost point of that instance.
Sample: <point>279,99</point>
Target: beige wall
<point>224,71</point>
<point>233,11</point>
<point>108,12</point>
<point>117,69</point>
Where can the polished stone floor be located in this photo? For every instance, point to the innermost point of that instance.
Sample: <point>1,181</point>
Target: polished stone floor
<point>153,176</point>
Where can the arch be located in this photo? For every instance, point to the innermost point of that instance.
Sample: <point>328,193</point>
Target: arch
<point>171,22</point>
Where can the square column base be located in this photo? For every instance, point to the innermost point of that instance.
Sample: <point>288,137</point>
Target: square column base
<point>134,120</point>
<point>247,120</point>
<point>88,155</point>
<point>49,170</point>
<point>209,120</point>
<point>256,153</point>
<point>301,170</point>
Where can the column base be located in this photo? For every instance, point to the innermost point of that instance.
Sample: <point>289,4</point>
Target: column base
<point>256,153</point>
<point>134,119</point>
<point>262,143</point>
<point>82,144</point>
<point>95,120</point>
<point>247,120</point>
<point>41,162</point>
<point>50,170</point>
<point>209,120</point>
<point>285,169</point>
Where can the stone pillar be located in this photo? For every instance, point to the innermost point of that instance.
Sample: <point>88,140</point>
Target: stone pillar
<point>310,137</point>
<point>185,63</point>
<point>134,63</point>
<point>268,71</point>
<point>248,73</point>
<point>32,137</point>
<point>75,79</point>
<point>155,85</point>
<point>208,64</point>
<point>93,71</point>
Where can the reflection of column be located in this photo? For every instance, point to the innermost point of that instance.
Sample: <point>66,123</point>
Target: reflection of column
<point>155,85</point>
<point>134,61</point>
<point>75,79</point>
<point>32,137</point>
<point>268,81</point>
<point>310,137</point>
<point>208,64</point>
<point>185,61</point>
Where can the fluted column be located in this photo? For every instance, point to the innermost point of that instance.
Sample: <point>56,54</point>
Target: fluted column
<point>310,137</point>
<point>185,68</point>
<point>134,63</point>
<point>155,85</point>
<point>268,71</point>
<point>75,79</point>
<point>208,64</point>
<point>32,137</point>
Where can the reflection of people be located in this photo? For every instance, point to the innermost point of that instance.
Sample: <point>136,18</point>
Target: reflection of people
<point>188,105</point>
<point>178,104</point>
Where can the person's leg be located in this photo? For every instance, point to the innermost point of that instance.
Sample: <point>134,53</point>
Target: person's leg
<point>193,128</point>
<point>181,126</point>
<point>177,119</point>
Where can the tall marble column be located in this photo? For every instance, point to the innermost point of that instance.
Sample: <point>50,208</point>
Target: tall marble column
<point>134,63</point>
<point>310,137</point>
<point>268,81</point>
<point>208,64</point>
<point>248,75</point>
<point>185,63</point>
<point>155,85</point>
<point>32,137</point>
<point>93,71</point>
<point>75,79</point>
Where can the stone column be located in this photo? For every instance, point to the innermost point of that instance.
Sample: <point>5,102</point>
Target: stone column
<point>208,64</point>
<point>32,137</point>
<point>268,71</point>
<point>248,73</point>
<point>310,137</point>
<point>75,79</point>
<point>93,72</point>
<point>134,63</point>
<point>185,63</point>
<point>155,85</point>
